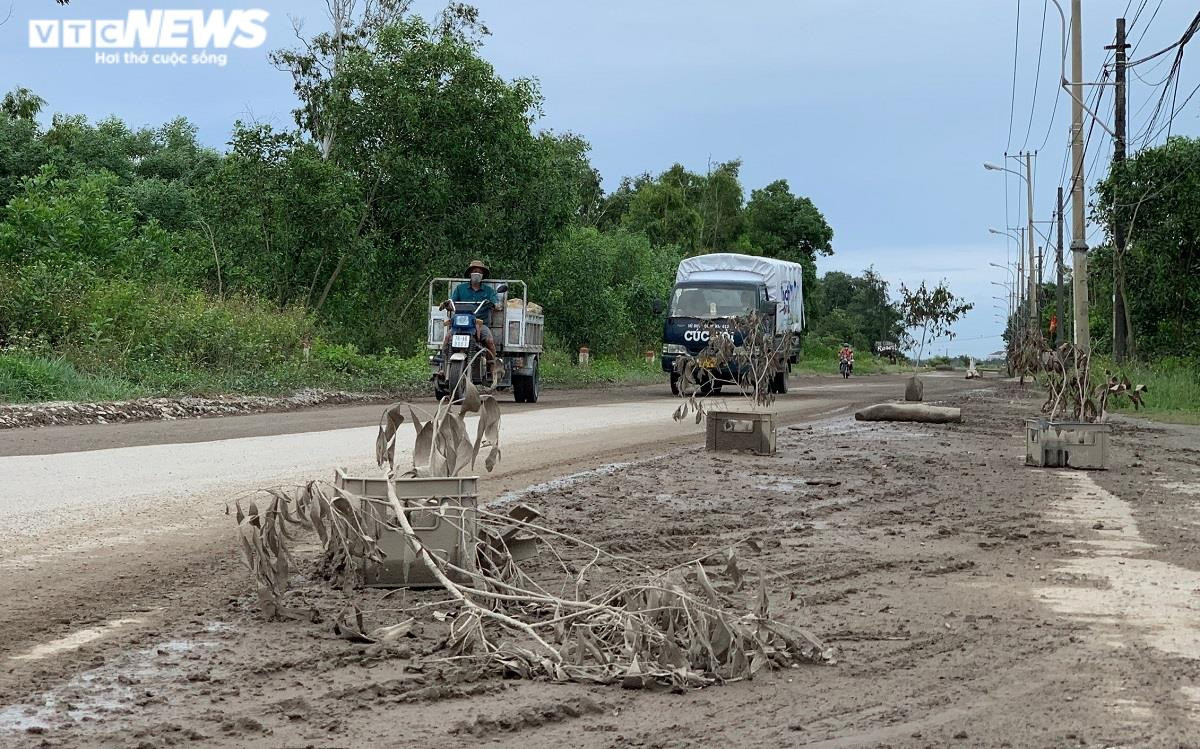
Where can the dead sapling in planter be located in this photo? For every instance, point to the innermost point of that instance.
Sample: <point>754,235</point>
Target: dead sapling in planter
<point>745,356</point>
<point>1028,354</point>
<point>573,612</point>
<point>1074,430</point>
<point>934,312</point>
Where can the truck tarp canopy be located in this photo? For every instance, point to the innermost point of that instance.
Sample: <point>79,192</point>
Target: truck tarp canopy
<point>784,280</point>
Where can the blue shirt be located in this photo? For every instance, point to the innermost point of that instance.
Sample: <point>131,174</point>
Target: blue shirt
<point>464,293</point>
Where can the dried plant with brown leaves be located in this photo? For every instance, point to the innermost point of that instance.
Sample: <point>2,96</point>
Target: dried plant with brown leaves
<point>575,613</point>
<point>1075,393</point>
<point>1027,353</point>
<point>743,354</point>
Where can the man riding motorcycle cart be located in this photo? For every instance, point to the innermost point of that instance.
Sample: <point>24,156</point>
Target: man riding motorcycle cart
<point>474,291</point>
<point>482,332</point>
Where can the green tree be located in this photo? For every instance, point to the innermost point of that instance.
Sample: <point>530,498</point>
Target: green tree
<point>1156,195</point>
<point>785,226</point>
<point>662,209</point>
<point>22,104</point>
<point>855,309</point>
<point>278,216</point>
<point>448,162</point>
<point>932,311</point>
<point>599,287</point>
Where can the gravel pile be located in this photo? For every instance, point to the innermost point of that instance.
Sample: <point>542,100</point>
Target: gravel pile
<point>167,409</point>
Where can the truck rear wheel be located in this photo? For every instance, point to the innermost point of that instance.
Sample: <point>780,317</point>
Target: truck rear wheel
<point>779,383</point>
<point>527,388</point>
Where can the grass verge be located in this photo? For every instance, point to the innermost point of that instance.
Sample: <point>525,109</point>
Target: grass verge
<point>27,377</point>
<point>558,370</point>
<point>1172,390</point>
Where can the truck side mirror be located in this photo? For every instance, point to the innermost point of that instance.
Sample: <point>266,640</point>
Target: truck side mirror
<point>766,307</point>
<point>656,306</point>
<point>502,288</point>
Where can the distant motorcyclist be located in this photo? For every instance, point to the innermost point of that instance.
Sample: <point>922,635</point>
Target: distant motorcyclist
<point>846,360</point>
<point>474,291</point>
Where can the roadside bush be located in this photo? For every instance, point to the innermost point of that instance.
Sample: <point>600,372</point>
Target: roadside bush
<point>27,378</point>
<point>1172,387</point>
<point>82,221</point>
<point>600,287</point>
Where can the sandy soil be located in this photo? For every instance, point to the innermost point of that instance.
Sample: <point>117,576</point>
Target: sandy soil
<point>972,601</point>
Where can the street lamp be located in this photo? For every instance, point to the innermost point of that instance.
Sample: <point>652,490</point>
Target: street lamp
<point>1031,300</point>
<point>1020,280</point>
<point>1013,288</point>
<point>1002,267</point>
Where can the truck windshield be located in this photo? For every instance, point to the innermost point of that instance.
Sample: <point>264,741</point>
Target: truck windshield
<point>710,302</point>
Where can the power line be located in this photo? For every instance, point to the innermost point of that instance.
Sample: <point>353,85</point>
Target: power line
<point>1037,77</point>
<point>1187,36</point>
<point>1146,28</point>
<point>1012,106</point>
<point>1053,115</point>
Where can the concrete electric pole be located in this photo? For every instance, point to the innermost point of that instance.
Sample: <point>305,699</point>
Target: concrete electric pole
<point>1120,331</point>
<point>1058,266</point>
<point>1034,322</point>
<point>1079,282</point>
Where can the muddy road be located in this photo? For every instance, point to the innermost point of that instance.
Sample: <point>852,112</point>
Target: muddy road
<point>971,601</point>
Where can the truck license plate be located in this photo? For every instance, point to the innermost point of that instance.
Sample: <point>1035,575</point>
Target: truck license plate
<point>460,341</point>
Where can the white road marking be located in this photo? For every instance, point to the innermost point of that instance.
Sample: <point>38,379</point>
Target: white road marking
<point>76,640</point>
<point>1152,598</point>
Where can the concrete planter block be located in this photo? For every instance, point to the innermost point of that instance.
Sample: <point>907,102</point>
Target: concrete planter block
<point>914,389</point>
<point>740,430</point>
<point>1066,444</point>
<point>444,516</point>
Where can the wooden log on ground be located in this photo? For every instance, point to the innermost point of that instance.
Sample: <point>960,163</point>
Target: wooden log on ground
<point>910,412</point>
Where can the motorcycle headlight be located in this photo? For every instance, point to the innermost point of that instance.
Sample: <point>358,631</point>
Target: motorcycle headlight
<point>674,348</point>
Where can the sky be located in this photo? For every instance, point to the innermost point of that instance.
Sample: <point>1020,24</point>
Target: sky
<point>881,112</point>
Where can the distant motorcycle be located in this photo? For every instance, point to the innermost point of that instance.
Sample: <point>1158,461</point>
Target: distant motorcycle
<point>846,367</point>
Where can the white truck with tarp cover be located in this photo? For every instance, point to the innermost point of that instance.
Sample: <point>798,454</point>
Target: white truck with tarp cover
<point>782,280</point>
<point>710,289</point>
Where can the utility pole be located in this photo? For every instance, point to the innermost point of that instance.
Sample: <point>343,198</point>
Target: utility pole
<point>1038,289</point>
<point>1058,307</point>
<point>1019,282</point>
<point>1079,283</point>
<point>1120,331</point>
<point>1034,322</point>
